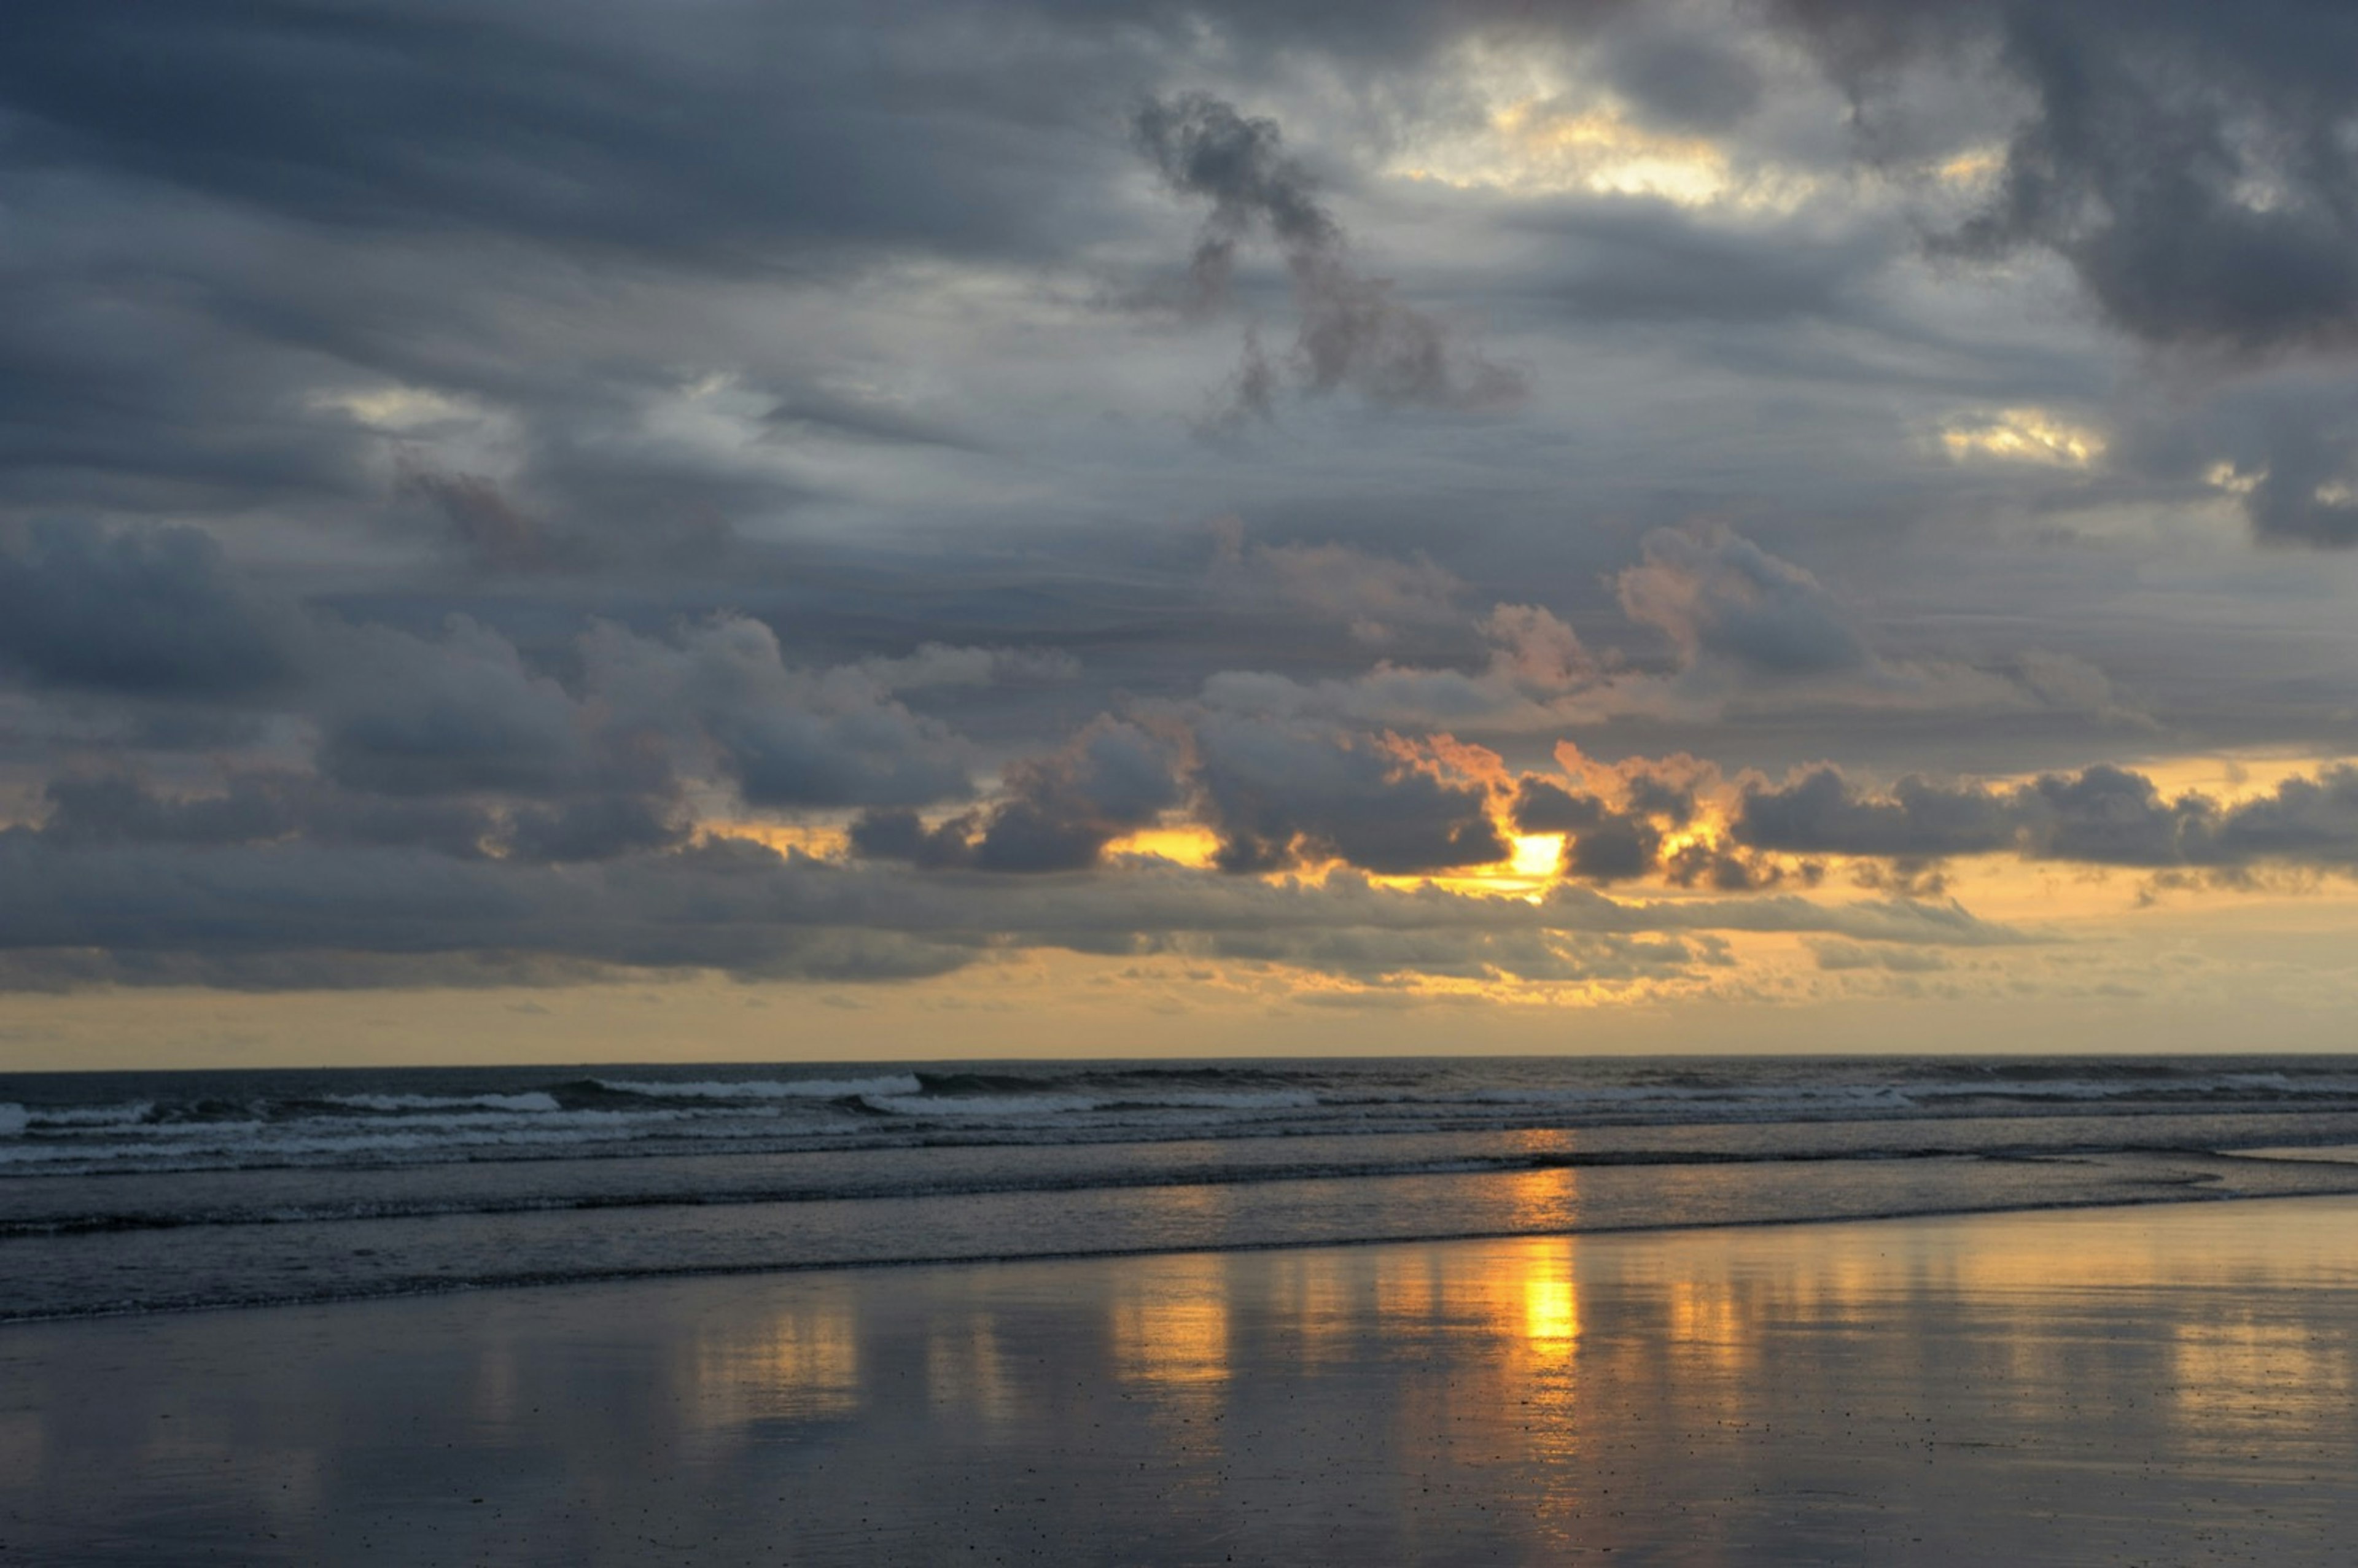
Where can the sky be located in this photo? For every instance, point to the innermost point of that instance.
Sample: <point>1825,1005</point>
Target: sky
<point>715,529</point>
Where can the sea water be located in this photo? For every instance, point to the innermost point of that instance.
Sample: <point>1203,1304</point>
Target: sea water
<point>155,1191</point>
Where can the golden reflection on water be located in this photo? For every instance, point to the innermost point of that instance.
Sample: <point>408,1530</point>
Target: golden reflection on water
<point>1169,1323</point>
<point>800,1362</point>
<point>1842,1392</point>
<point>1316,1301</point>
<point>1569,1379</point>
<point>2250,1376</point>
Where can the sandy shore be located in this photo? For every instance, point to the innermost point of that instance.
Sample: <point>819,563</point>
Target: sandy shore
<point>2164,1385</point>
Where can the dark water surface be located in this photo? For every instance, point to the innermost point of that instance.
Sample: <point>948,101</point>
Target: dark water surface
<point>134,1192</point>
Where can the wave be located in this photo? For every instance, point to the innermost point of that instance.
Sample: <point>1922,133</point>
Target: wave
<point>1243,1099</point>
<point>17,1119</point>
<point>980,1106</point>
<point>900,1184</point>
<point>764,1089</point>
<point>536,1101</point>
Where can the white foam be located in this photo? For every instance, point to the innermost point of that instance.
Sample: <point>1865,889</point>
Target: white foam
<point>12,1121</point>
<point>789,1088</point>
<point>524,1102</point>
<point>90,1115</point>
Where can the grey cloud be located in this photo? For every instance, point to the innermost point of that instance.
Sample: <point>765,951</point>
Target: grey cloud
<point>1543,807</point>
<point>719,134</point>
<point>1057,813</point>
<point>1280,794</point>
<point>1618,847</point>
<point>1374,595</point>
<point>2285,445</point>
<point>788,737</point>
<point>1718,596</point>
<point>898,833</point>
<point>142,611</point>
<point>1352,331</point>
<point>1821,814</point>
<point>304,914</point>
<point>115,806</point>
<point>1634,260</point>
<point>265,807</point>
<point>1060,811</point>
<point>1683,78</point>
<point>409,717</point>
<point>1605,843</point>
<point>2190,162</point>
<point>492,528</point>
<point>2101,816</point>
<point>593,828</point>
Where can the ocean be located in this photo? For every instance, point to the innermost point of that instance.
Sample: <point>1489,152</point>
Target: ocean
<point>147,1192</point>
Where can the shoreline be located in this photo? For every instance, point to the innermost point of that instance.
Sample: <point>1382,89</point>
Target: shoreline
<point>467,1288</point>
<point>2157,1381</point>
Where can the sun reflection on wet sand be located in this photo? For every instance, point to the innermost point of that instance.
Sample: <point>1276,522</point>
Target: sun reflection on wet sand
<point>800,1363</point>
<point>1170,1323</point>
<point>2077,1387</point>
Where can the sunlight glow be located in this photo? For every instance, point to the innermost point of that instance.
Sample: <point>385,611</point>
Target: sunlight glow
<point>2021,436</point>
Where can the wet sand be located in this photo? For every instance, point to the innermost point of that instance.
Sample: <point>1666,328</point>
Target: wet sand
<point>2173,1384</point>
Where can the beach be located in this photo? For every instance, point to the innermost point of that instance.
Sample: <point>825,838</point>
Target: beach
<point>2165,1383</point>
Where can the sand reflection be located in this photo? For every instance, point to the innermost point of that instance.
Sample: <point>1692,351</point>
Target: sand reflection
<point>1169,1323</point>
<point>800,1363</point>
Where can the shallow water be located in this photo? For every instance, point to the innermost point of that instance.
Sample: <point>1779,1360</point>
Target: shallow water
<point>2167,1384</point>
<point>151,1190</point>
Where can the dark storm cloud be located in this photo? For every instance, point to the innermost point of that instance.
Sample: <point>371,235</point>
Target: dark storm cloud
<point>1543,806</point>
<point>1057,813</point>
<point>409,717</point>
<point>2102,816</point>
<point>597,828</point>
<point>1605,843</point>
<point>1279,794</point>
<point>2193,162</point>
<point>139,611</point>
<point>632,418</point>
<point>720,133</point>
<point>788,737</point>
<point>262,807</point>
<point>2285,445</point>
<point>301,914</point>
<point>1352,331</point>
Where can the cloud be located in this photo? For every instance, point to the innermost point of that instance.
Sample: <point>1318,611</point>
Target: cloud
<point>722,692</point>
<point>138,611</point>
<point>1351,331</point>
<point>1057,813</point>
<point>406,716</point>
<point>1688,81</point>
<point>496,532</point>
<point>1651,262</point>
<point>1719,596</point>
<point>1374,595</point>
<point>2190,164</point>
<point>301,914</point>
<point>1279,795</point>
<point>2101,816</point>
